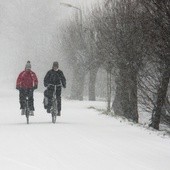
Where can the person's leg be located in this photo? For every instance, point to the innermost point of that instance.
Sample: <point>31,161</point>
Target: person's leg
<point>22,98</point>
<point>30,99</point>
<point>45,101</point>
<point>49,96</point>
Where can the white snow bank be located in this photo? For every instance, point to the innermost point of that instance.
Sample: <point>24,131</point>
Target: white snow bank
<point>82,139</point>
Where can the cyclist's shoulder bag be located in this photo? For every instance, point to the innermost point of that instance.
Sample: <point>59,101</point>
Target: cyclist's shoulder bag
<point>45,101</point>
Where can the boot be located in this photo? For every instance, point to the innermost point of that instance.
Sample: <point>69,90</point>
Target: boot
<point>22,111</point>
<point>48,110</point>
<point>59,113</point>
<point>31,113</point>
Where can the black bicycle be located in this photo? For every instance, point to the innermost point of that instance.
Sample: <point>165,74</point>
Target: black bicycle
<point>27,110</point>
<point>54,108</point>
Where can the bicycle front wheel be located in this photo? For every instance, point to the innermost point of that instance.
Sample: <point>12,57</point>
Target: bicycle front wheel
<point>53,118</point>
<point>54,111</point>
<point>27,117</point>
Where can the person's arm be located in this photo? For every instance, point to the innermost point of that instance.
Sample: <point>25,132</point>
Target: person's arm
<point>18,82</point>
<point>46,79</point>
<point>63,79</point>
<point>35,81</point>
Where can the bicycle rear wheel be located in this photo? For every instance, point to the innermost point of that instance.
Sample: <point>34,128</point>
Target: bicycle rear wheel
<point>27,116</point>
<point>27,112</point>
<point>54,112</point>
<point>53,118</point>
<point>26,109</point>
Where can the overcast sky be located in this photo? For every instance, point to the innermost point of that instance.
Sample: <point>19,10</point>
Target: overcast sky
<point>26,30</point>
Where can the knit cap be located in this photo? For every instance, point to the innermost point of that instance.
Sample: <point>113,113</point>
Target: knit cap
<point>55,64</point>
<point>28,65</point>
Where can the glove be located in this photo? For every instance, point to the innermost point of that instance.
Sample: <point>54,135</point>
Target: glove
<point>35,87</point>
<point>64,86</point>
<point>17,88</point>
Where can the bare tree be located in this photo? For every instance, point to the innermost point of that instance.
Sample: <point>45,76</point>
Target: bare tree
<point>79,47</point>
<point>160,16</point>
<point>73,47</point>
<point>123,23</point>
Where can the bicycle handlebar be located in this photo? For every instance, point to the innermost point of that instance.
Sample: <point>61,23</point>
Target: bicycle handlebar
<point>54,85</point>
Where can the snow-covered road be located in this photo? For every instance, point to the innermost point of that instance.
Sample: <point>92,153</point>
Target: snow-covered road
<point>82,139</point>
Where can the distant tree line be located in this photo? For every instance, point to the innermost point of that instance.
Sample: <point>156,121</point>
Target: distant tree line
<point>130,39</point>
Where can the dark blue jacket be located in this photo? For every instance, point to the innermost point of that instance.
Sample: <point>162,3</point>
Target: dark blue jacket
<point>55,78</point>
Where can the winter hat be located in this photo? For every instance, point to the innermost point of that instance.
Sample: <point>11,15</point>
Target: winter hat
<point>28,65</point>
<point>55,64</point>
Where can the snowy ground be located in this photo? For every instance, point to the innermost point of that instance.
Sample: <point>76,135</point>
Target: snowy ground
<point>82,139</point>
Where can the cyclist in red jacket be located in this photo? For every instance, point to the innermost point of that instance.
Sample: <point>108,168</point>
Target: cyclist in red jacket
<point>26,83</point>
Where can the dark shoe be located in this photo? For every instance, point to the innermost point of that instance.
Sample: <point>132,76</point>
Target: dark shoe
<point>59,113</point>
<point>22,111</point>
<point>48,110</point>
<point>31,113</point>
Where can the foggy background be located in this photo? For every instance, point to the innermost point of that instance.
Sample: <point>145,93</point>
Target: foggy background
<point>30,30</point>
<point>119,52</point>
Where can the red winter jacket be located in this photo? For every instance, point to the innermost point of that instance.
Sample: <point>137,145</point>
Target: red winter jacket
<point>27,80</point>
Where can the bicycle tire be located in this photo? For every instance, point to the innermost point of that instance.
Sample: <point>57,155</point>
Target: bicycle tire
<point>54,111</point>
<point>27,117</point>
<point>27,112</point>
<point>54,118</point>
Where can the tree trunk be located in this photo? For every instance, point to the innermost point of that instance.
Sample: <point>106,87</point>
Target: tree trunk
<point>125,95</point>
<point>92,84</point>
<point>120,103</point>
<point>109,89</point>
<point>162,91</point>
<point>125,102</point>
<point>116,106</point>
<point>77,88</point>
<point>133,100</point>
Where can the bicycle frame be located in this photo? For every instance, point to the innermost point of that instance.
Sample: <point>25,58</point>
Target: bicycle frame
<point>54,109</point>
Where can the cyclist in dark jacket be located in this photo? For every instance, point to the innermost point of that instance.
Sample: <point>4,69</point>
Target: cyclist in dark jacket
<point>54,77</point>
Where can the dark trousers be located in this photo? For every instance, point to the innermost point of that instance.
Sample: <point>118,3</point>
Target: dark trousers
<point>49,95</point>
<point>23,93</point>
